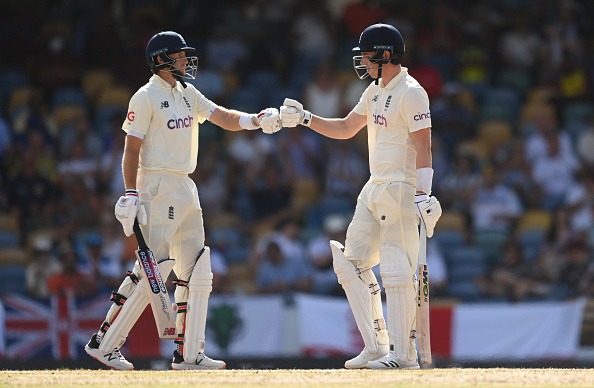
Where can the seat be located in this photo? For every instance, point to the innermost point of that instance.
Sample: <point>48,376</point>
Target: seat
<point>464,261</point>
<point>520,81</point>
<point>114,96</point>
<point>8,239</point>
<point>466,291</point>
<point>95,81</point>
<point>13,279</point>
<point>69,96</point>
<point>531,242</point>
<point>492,134</point>
<point>13,255</point>
<point>449,239</point>
<point>67,114</point>
<point>535,219</point>
<point>491,243</point>
<point>241,277</point>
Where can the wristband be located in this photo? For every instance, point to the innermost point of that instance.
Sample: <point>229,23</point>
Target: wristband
<point>424,179</point>
<point>306,118</point>
<point>132,193</point>
<point>247,121</point>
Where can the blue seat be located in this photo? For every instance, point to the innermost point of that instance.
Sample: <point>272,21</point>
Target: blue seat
<point>531,242</point>
<point>491,242</point>
<point>246,99</point>
<point>466,291</point>
<point>449,239</point>
<point>465,263</point>
<point>8,239</point>
<point>13,279</point>
<point>69,96</point>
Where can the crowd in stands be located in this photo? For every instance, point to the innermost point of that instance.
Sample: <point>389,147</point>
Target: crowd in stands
<point>512,121</point>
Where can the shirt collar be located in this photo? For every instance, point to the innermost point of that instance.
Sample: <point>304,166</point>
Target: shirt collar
<point>403,73</point>
<point>160,82</point>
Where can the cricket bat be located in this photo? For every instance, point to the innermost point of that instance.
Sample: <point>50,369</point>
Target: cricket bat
<point>155,285</point>
<point>423,325</point>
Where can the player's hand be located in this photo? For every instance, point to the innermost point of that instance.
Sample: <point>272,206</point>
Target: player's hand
<point>293,114</point>
<point>269,120</point>
<point>127,208</point>
<point>428,210</point>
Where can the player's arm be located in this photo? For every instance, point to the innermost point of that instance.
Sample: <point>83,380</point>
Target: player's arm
<point>422,141</point>
<point>233,120</point>
<point>293,114</point>
<point>130,161</point>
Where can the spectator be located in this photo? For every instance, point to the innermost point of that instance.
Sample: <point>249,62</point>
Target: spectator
<point>70,281</point>
<point>494,206</point>
<point>41,267</point>
<point>277,274</point>
<point>323,277</point>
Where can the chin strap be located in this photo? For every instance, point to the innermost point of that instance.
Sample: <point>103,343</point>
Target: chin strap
<point>181,80</point>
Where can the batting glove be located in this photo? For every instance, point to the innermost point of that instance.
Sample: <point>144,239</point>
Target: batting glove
<point>428,210</point>
<point>127,208</point>
<point>269,120</point>
<point>293,114</point>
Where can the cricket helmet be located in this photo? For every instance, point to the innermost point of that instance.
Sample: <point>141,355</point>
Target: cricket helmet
<point>378,38</point>
<point>165,43</point>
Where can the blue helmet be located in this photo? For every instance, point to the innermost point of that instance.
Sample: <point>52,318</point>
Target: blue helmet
<point>379,38</point>
<point>165,43</point>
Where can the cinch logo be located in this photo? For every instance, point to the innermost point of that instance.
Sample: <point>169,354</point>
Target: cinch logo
<point>176,123</point>
<point>380,120</point>
<point>131,116</point>
<point>419,116</point>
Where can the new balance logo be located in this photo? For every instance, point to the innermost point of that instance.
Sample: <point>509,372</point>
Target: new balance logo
<point>391,364</point>
<point>111,356</point>
<point>170,212</point>
<point>165,104</point>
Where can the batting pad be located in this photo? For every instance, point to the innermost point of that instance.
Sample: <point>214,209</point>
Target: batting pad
<point>199,288</point>
<point>358,295</point>
<point>129,313</point>
<point>399,283</point>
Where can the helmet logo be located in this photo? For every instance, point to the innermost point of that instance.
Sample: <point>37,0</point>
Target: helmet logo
<point>160,51</point>
<point>383,47</point>
<point>130,116</point>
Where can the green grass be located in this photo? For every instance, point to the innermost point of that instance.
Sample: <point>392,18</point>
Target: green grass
<point>327,378</point>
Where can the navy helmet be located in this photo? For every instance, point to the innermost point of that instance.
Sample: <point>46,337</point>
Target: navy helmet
<point>379,38</point>
<point>165,43</point>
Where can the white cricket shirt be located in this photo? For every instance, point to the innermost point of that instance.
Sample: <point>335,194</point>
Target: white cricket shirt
<point>168,118</point>
<point>394,111</point>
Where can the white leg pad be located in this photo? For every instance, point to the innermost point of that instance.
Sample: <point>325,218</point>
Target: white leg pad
<point>398,279</point>
<point>198,292</point>
<point>358,294</point>
<point>123,318</point>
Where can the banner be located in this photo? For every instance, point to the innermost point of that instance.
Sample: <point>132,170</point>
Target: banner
<point>242,326</point>
<point>517,331</point>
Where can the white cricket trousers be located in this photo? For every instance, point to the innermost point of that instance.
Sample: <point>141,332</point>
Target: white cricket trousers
<point>384,216</point>
<point>175,226</point>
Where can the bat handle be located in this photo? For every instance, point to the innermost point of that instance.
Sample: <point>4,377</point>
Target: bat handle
<point>139,237</point>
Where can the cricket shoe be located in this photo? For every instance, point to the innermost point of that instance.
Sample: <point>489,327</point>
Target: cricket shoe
<point>361,361</point>
<point>113,359</point>
<point>202,362</point>
<point>389,362</point>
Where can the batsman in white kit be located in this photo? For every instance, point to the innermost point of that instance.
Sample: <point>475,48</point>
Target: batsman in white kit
<point>384,228</point>
<point>161,149</point>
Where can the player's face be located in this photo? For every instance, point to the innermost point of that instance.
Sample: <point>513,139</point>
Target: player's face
<point>180,61</point>
<point>371,67</point>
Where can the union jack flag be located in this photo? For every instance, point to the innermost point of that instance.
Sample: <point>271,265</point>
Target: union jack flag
<point>59,326</point>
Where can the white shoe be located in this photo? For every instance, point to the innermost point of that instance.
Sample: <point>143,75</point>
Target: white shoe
<point>113,359</point>
<point>360,362</point>
<point>389,362</point>
<point>202,362</point>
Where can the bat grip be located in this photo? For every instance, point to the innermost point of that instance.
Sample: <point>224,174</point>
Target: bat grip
<point>139,237</point>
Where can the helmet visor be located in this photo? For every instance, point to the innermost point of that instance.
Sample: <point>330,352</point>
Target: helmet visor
<point>174,67</point>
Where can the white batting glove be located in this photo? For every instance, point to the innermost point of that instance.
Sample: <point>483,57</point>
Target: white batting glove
<point>269,120</point>
<point>428,210</point>
<point>293,114</point>
<point>127,208</point>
